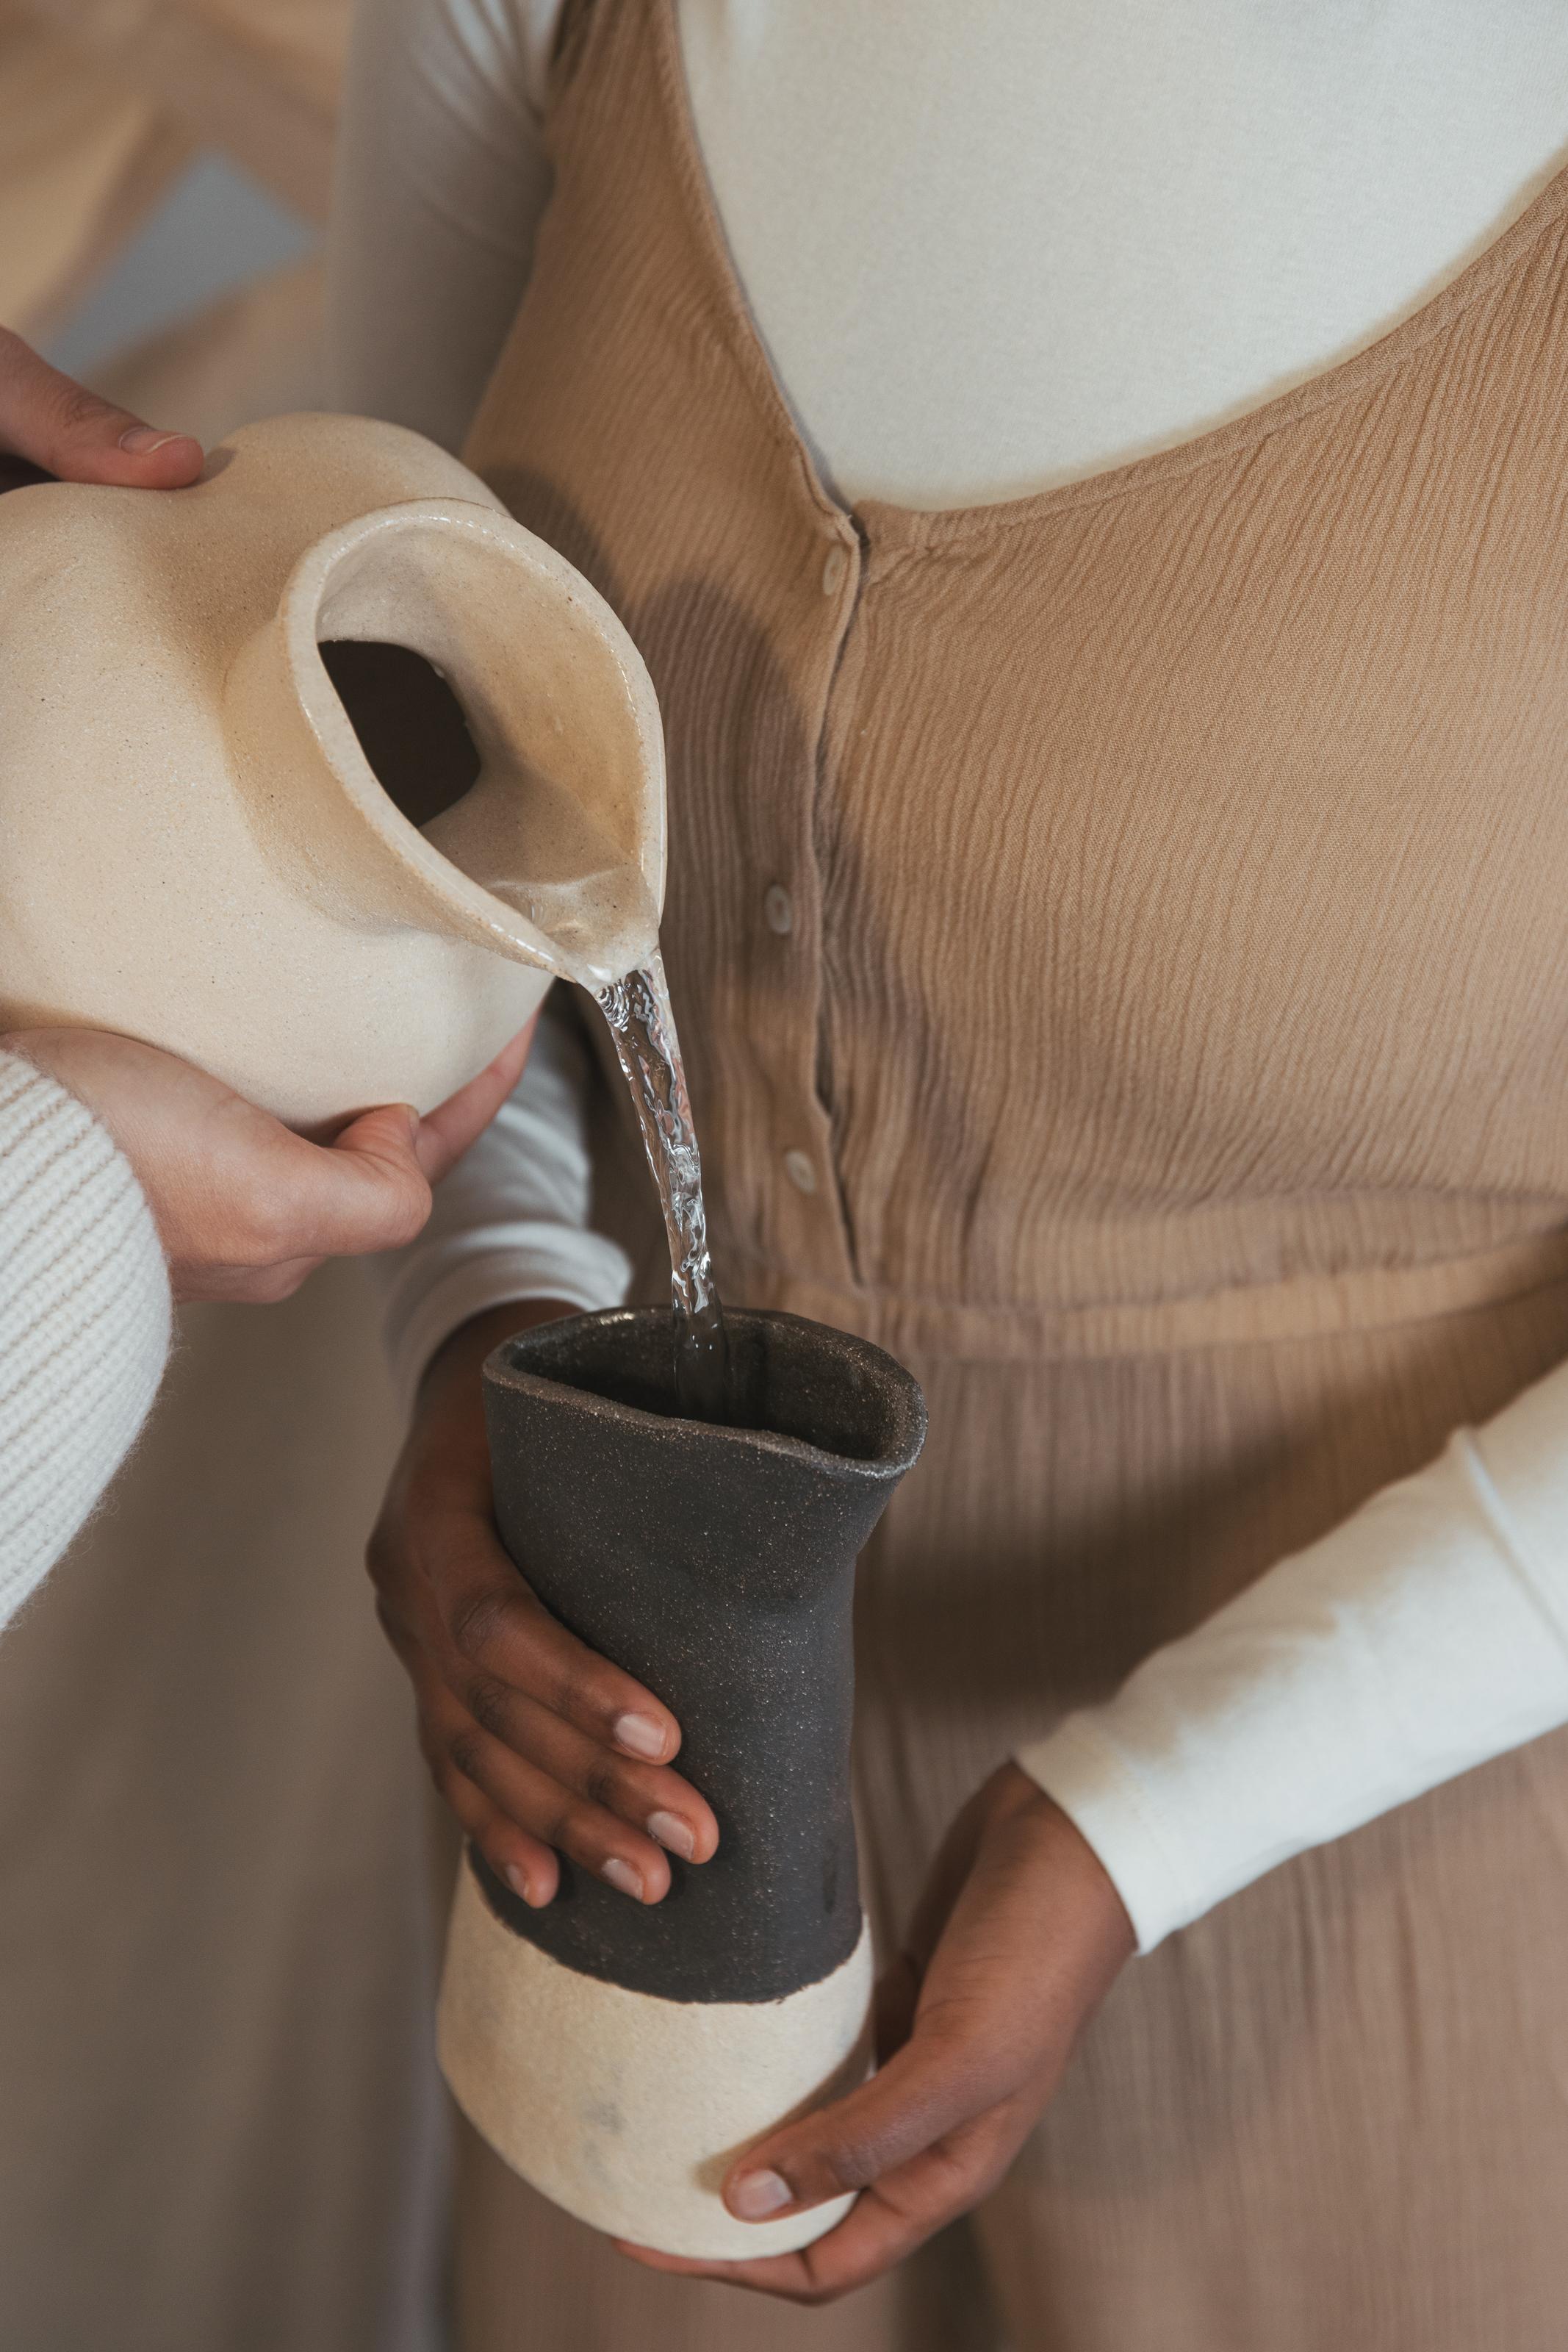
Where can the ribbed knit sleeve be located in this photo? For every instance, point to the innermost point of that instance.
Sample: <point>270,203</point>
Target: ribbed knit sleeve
<point>84,1320</point>
<point>511,1220</point>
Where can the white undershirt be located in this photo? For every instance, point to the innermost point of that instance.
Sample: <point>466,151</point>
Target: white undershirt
<point>990,248</point>
<point>989,244</point>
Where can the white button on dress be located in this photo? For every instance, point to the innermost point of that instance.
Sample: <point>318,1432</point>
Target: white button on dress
<point>801,1170</point>
<point>778,909</point>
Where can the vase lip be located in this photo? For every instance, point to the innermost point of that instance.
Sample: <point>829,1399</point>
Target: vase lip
<point>903,1405</point>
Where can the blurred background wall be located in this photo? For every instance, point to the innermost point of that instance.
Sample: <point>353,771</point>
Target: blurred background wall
<point>213,234</point>
<point>219,2124</point>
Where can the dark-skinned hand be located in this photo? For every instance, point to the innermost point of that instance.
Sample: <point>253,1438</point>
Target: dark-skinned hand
<point>539,1744</point>
<point>1014,1943</point>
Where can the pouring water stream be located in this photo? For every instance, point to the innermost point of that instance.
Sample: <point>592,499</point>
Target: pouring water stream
<point>637,1008</point>
<point>538,850</point>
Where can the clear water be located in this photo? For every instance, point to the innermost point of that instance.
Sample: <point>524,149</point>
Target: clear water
<point>529,842</point>
<point>637,1008</point>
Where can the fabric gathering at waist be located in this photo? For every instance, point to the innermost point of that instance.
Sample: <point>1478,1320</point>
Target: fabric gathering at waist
<point>1302,1307</point>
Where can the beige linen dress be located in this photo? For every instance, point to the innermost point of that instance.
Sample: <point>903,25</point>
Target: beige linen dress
<point>1118,938</point>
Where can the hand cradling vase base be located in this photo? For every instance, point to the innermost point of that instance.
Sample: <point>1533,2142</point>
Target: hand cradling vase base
<point>198,851</point>
<point>620,2055</point>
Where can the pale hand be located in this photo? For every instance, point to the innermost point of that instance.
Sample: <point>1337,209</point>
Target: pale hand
<point>245,1209</point>
<point>1016,1939</point>
<point>46,420</point>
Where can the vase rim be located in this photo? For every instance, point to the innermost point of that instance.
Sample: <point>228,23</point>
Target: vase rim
<point>899,1441</point>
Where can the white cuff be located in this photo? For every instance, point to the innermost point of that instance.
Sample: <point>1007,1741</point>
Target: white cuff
<point>1100,1793</point>
<point>496,1265</point>
<point>510,1222</point>
<point>1424,1635</point>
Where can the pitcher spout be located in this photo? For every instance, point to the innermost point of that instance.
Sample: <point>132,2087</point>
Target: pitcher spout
<point>554,855</point>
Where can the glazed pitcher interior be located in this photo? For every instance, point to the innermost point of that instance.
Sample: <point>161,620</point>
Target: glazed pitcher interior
<point>554,855</point>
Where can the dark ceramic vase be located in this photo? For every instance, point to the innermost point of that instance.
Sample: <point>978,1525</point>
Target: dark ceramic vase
<point>619,2055</point>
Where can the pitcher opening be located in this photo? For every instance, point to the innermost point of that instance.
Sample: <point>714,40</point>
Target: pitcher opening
<point>552,823</point>
<point>496,752</point>
<point>410,726</point>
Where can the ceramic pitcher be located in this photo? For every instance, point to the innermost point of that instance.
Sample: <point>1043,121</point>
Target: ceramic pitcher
<point>198,851</point>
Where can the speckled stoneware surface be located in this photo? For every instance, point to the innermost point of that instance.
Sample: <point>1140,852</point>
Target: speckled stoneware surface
<point>197,851</point>
<point>716,1565</point>
<point>627,2110</point>
<point>620,2056</point>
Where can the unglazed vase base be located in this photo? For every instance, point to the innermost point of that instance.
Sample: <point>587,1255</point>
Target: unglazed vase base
<point>627,2109</point>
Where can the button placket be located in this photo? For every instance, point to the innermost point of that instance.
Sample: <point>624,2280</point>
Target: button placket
<point>811,1230</point>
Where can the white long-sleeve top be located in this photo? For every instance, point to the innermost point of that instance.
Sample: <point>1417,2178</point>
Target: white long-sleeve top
<point>990,248</point>
<point>84,1320</point>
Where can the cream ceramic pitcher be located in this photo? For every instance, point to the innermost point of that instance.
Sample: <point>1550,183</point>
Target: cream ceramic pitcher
<point>196,849</point>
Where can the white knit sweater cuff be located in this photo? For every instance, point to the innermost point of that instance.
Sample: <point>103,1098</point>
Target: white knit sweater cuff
<point>84,1319</point>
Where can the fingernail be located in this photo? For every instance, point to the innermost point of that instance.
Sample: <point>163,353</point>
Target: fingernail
<point>141,440</point>
<point>641,1734</point>
<point>672,1832</point>
<point>515,1881</point>
<point>757,2194</point>
<point>622,1877</point>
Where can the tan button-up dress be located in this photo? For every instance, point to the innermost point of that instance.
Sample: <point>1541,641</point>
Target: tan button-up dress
<point>1119,940</point>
